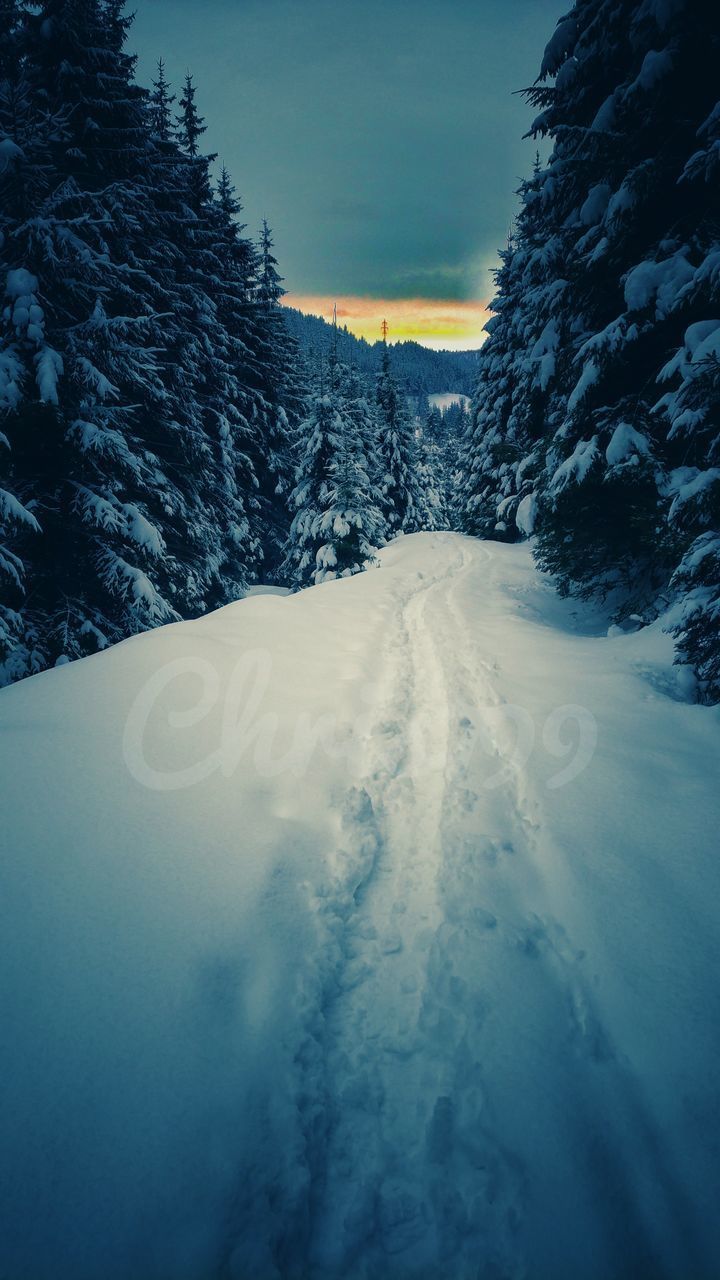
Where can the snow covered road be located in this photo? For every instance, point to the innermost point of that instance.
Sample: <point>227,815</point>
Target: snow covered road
<point>408,973</point>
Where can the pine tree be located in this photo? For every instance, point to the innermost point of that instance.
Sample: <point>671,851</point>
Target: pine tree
<point>132,360</point>
<point>352,523</point>
<point>57,267</point>
<point>433,485</point>
<point>23,165</point>
<point>269,287</point>
<point>190,123</point>
<point>161,101</point>
<point>310,499</point>
<point>397,448</point>
<point>338,522</point>
<point>611,269</point>
<point>284,387</point>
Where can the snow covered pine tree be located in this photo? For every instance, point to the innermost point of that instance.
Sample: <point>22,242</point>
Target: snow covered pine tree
<point>397,446</point>
<point>613,264</point>
<point>338,523</point>
<point>135,355</point>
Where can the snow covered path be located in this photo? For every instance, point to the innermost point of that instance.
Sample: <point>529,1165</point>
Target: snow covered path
<point>456,968</point>
<point>434,999</point>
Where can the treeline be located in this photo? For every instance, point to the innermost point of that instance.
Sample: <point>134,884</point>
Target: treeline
<point>164,440</point>
<point>150,391</point>
<point>369,468</point>
<point>596,420</point>
<point>420,370</point>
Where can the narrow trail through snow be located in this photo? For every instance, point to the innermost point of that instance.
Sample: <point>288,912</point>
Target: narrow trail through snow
<point>458,987</point>
<point>411,978</point>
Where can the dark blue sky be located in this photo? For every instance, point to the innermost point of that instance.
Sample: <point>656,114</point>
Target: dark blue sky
<point>381,139</point>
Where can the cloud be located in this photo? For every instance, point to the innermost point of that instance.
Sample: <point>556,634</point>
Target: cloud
<point>381,140</point>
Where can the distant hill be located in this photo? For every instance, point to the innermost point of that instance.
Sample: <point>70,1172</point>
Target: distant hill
<point>423,372</point>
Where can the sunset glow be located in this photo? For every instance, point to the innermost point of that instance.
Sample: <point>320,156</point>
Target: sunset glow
<point>433,322</point>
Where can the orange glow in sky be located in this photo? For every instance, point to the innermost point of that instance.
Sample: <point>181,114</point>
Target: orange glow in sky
<point>434,322</point>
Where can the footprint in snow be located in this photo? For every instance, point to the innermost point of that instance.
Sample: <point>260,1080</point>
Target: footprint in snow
<point>485,919</point>
<point>439,1136</point>
<point>404,1220</point>
<point>467,800</point>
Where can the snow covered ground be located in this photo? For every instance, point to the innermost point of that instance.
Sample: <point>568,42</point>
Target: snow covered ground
<point>365,932</point>
<point>443,399</point>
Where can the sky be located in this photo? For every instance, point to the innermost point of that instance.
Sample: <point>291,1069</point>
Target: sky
<point>382,140</point>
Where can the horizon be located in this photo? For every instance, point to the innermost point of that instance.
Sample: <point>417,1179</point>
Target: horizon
<point>413,320</point>
<point>371,158</point>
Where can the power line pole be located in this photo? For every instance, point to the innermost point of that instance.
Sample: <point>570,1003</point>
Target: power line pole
<point>384,329</point>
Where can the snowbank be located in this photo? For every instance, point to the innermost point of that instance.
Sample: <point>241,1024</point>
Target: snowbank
<point>435,993</point>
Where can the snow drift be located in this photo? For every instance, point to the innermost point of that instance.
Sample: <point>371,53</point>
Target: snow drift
<point>369,931</point>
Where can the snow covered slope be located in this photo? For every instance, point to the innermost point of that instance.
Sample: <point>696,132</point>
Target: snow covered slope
<point>366,932</point>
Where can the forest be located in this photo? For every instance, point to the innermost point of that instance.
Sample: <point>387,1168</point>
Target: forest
<point>167,443</point>
<point>359,744</point>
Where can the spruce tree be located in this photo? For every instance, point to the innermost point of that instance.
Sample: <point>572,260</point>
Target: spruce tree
<point>321,434</point>
<point>132,359</point>
<point>269,285</point>
<point>592,423</point>
<point>397,449</point>
<point>338,522</point>
<point>161,101</point>
<point>191,125</point>
<point>352,522</point>
<point>284,387</point>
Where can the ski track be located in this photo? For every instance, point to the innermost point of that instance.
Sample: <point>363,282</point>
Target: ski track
<point>420,1161</point>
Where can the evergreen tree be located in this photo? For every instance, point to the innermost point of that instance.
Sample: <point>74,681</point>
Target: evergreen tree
<point>161,101</point>
<point>432,485</point>
<point>269,287</point>
<point>612,267</point>
<point>132,360</point>
<point>397,449</point>
<point>191,125</point>
<point>23,167</point>
<point>338,521</point>
<point>321,433</point>
<point>352,522</point>
<point>284,388</point>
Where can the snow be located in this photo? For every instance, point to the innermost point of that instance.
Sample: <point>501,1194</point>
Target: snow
<point>655,66</point>
<point>661,11</point>
<point>11,374</point>
<point>10,153</point>
<point>709,347</point>
<point>575,468</point>
<point>526,513</point>
<point>595,205</point>
<point>688,483</point>
<point>605,116</point>
<point>623,199</point>
<point>625,443</point>
<point>587,379</point>
<point>264,589</point>
<point>558,47</point>
<point>12,510</point>
<point>49,365</point>
<point>543,352</point>
<point>141,530</point>
<point>129,579</point>
<point>364,932</point>
<point>697,334</point>
<point>600,249</point>
<point>444,399</point>
<point>20,283</point>
<point>658,282</point>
